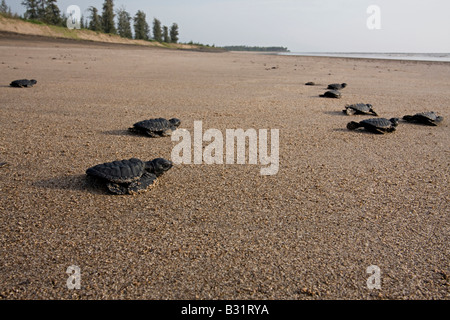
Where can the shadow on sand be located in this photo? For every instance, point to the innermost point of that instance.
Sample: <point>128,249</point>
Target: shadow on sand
<point>335,113</point>
<point>357,131</point>
<point>118,133</point>
<point>79,182</point>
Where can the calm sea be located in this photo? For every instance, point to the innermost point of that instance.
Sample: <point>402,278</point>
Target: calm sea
<point>444,57</point>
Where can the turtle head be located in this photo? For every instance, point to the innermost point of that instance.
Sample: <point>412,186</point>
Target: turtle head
<point>33,81</point>
<point>175,122</point>
<point>158,166</point>
<point>394,121</point>
<point>343,85</point>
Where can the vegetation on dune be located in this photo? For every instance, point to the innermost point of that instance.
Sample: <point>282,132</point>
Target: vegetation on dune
<point>141,28</point>
<point>174,33</point>
<point>124,23</point>
<point>47,12</point>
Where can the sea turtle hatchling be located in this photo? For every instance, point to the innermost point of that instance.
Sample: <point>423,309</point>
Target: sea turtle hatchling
<point>359,108</point>
<point>336,86</point>
<point>159,127</point>
<point>331,94</point>
<point>130,176</point>
<point>375,125</point>
<point>23,83</point>
<point>429,118</point>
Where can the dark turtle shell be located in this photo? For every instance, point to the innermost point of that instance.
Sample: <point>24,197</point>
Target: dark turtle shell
<point>123,171</point>
<point>375,125</point>
<point>359,108</point>
<point>159,127</point>
<point>23,83</point>
<point>332,94</point>
<point>159,124</point>
<point>428,117</point>
<point>156,125</point>
<point>337,86</point>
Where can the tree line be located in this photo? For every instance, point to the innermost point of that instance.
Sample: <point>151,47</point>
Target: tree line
<point>47,11</point>
<point>6,11</point>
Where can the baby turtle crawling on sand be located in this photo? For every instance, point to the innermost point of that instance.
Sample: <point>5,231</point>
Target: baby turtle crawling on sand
<point>331,94</point>
<point>429,118</point>
<point>359,108</point>
<point>156,127</point>
<point>310,83</point>
<point>130,176</point>
<point>23,83</point>
<point>375,125</point>
<point>337,86</point>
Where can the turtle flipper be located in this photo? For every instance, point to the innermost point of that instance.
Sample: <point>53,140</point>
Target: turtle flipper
<point>167,132</point>
<point>148,179</point>
<point>349,111</point>
<point>378,131</point>
<point>373,129</point>
<point>352,125</point>
<point>430,122</point>
<point>134,187</point>
<point>151,134</point>
<point>117,188</point>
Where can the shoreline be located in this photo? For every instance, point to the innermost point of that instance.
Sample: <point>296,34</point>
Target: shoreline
<point>364,58</point>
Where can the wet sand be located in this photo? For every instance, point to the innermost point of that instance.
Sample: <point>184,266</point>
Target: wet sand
<point>341,201</point>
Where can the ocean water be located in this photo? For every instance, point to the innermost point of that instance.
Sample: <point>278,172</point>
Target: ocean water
<point>443,57</point>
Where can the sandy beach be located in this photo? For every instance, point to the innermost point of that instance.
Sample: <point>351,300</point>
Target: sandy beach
<point>341,201</point>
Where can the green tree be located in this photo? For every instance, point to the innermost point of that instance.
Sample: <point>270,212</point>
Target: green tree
<point>108,17</point>
<point>157,32</point>
<point>3,7</point>
<point>96,22</point>
<point>174,33</point>
<point>82,23</point>
<point>124,23</point>
<point>166,37</point>
<point>141,28</point>
<point>31,9</point>
<point>41,5</point>
<point>64,18</point>
<point>52,13</point>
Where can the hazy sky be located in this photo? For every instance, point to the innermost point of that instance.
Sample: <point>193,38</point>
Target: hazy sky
<point>300,25</point>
